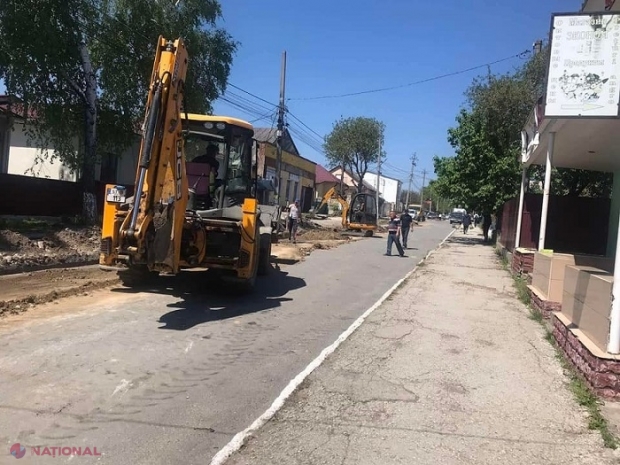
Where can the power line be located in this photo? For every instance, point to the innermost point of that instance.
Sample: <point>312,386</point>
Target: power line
<point>401,86</point>
<point>253,95</point>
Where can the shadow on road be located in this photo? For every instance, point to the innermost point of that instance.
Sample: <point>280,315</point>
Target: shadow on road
<point>205,298</point>
<point>469,239</point>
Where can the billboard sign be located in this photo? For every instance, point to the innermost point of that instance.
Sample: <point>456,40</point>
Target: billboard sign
<point>584,66</point>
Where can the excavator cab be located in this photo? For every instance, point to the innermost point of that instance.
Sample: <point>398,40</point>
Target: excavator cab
<point>363,212</point>
<point>218,161</point>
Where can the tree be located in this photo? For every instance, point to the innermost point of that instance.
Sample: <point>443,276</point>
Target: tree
<point>485,170</point>
<point>81,69</point>
<point>354,144</point>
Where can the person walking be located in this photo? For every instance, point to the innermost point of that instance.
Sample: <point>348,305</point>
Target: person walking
<point>466,222</point>
<point>393,233</point>
<point>405,226</point>
<point>293,220</point>
<point>486,225</point>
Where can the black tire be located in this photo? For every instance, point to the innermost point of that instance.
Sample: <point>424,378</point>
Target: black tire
<point>264,260</point>
<point>368,233</point>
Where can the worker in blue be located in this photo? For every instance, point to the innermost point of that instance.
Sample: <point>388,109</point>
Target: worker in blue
<point>393,235</point>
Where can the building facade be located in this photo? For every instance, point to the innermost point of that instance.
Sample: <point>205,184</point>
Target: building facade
<point>18,155</point>
<point>389,191</point>
<point>298,174</point>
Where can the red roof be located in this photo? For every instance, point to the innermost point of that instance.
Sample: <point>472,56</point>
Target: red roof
<point>322,175</point>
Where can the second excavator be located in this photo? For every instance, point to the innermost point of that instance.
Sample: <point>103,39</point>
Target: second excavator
<point>360,216</point>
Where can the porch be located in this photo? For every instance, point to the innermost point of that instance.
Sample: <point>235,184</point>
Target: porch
<point>576,125</point>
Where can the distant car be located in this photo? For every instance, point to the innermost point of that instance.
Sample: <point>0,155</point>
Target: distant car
<point>433,216</point>
<point>456,218</point>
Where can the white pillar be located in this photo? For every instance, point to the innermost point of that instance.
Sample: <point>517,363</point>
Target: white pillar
<point>613,347</point>
<point>545,202</point>
<point>520,212</point>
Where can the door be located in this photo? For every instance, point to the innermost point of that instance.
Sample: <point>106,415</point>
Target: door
<point>306,199</point>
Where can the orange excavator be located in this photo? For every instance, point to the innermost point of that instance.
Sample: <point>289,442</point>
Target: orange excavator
<point>194,202</point>
<point>360,216</point>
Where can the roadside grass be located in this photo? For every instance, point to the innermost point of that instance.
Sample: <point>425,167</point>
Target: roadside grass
<point>576,383</point>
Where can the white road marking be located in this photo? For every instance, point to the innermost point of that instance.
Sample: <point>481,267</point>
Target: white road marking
<point>123,386</point>
<point>189,346</point>
<point>240,438</point>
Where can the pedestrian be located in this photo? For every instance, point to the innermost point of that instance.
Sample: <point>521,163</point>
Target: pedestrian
<point>405,226</point>
<point>293,220</point>
<point>393,233</point>
<point>486,224</point>
<point>466,222</point>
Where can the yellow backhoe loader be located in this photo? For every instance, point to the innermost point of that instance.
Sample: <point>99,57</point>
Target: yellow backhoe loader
<point>360,216</point>
<point>194,202</point>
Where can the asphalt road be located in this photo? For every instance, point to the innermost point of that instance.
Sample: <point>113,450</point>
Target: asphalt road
<point>170,375</point>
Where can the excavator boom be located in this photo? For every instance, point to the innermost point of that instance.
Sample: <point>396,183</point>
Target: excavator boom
<point>150,233</point>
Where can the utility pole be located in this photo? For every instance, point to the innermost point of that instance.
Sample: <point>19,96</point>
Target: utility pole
<point>414,159</point>
<point>280,131</point>
<point>378,177</point>
<point>422,191</point>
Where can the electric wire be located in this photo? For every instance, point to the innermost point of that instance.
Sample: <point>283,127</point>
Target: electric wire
<point>522,54</point>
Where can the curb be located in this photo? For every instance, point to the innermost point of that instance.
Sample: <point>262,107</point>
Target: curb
<point>239,439</point>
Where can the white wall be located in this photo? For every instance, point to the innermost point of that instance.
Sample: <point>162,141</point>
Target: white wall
<point>389,189</point>
<point>22,158</point>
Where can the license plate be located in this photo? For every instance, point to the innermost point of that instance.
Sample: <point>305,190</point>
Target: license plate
<point>116,194</point>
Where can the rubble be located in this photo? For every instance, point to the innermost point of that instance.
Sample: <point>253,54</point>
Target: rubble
<point>47,246</point>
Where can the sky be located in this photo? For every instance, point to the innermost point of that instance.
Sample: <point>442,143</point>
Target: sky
<point>344,46</point>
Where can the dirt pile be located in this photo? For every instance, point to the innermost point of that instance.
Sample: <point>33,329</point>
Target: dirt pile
<point>22,249</point>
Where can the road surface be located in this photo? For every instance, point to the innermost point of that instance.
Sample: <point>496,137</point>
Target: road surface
<point>169,376</point>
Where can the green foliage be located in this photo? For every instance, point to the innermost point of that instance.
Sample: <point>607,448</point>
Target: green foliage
<point>575,182</point>
<point>354,143</point>
<point>66,60</point>
<point>485,171</point>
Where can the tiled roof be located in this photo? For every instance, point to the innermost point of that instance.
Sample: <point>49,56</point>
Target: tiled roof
<point>322,175</point>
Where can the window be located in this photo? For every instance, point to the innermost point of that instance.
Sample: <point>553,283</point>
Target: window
<point>296,191</point>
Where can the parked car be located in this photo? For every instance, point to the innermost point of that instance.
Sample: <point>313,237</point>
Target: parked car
<point>456,218</point>
<point>433,216</point>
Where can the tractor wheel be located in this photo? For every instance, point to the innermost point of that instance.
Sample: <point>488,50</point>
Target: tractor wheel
<point>264,260</point>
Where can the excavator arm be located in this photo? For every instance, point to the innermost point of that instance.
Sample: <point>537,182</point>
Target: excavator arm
<point>151,223</point>
<point>333,194</point>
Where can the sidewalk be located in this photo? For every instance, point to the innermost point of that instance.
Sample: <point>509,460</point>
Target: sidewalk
<point>449,370</point>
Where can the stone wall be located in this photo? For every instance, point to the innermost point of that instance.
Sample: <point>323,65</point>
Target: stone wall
<point>602,375</point>
<point>544,306</point>
<point>522,262</point>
